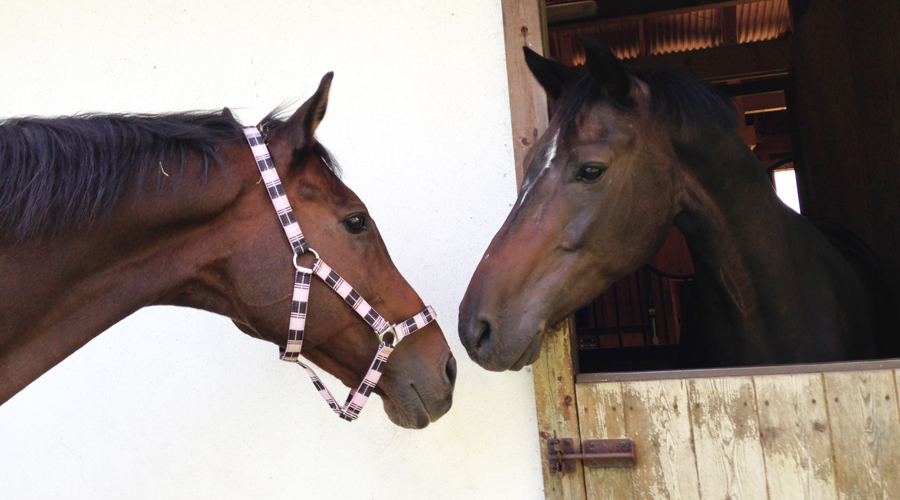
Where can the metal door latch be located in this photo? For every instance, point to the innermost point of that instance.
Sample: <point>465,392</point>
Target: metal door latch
<point>561,454</point>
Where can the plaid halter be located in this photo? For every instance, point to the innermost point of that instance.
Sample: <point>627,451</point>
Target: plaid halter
<point>388,335</point>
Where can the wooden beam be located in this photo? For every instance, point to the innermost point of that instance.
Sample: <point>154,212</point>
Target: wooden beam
<point>847,69</point>
<point>749,371</point>
<point>554,392</point>
<point>649,15</point>
<point>523,25</point>
<point>554,381</point>
<point>763,103</point>
<point>718,64</point>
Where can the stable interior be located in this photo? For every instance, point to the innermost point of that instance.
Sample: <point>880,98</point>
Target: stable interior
<point>743,48</point>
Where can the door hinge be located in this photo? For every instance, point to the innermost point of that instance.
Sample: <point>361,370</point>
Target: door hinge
<point>561,454</point>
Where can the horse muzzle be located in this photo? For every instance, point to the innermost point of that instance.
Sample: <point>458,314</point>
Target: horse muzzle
<point>418,381</point>
<point>497,341</point>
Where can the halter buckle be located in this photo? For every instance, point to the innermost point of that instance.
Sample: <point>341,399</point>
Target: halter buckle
<point>383,333</point>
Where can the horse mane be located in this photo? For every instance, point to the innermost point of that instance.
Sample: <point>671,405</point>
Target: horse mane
<point>65,171</point>
<point>682,101</point>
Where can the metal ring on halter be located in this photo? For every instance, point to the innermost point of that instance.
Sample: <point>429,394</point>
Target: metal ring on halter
<point>297,266</point>
<point>381,335</point>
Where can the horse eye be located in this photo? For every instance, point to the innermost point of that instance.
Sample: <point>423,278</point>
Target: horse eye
<point>355,223</point>
<point>590,172</point>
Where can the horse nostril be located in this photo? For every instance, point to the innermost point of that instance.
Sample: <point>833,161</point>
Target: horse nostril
<point>450,369</point>
<point>483,338</point>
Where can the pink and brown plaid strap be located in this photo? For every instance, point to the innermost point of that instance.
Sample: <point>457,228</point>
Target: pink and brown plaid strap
<point>276,190</point>
<point>300,300</point>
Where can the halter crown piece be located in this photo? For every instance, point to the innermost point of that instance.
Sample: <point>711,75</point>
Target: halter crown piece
<point>388,335</point>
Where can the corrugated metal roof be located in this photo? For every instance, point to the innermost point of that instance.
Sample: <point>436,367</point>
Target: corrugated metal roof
<point>763,20</point>
<point>663,33</point>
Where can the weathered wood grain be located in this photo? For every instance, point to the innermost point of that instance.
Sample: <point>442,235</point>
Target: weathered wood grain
<point>657,420</point>
<point>748,371</point>
<point>601,416</point>
<point>796,441</point>
<point>554,389</point>
<point>523,25</point>
<point>865,432</point>
<point>554,380</point>
<point>726,438</point>
<point>897,388</point>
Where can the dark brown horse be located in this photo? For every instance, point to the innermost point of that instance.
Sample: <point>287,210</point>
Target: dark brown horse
<point>101,215</point>
<point>627,156</point>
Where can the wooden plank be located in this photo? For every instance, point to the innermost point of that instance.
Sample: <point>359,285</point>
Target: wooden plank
<point>726,438</point>
<point>897,388</point>
<point>554,390</point>
<point>657,420</point>
<point>865,431</point>
<point>796,441</point>
<point>763,103</point>
<point>523,25</point>
<point>601,416</point>
<point>749,371</point>
<point>766,58</point>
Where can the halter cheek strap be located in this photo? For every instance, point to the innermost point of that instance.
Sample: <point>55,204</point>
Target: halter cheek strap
<point>388,335</point>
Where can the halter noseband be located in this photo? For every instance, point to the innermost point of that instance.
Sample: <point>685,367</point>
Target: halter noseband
<point>388,335</point>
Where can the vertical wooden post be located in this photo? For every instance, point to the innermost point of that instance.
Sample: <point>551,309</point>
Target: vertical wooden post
<point>846,57</point>
<point>554,392</point>
<point>523,25</point>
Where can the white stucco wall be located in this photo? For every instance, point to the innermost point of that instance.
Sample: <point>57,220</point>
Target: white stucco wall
<point>173,403</point>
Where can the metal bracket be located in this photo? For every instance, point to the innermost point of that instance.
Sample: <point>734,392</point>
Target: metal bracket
<point>597,453</point>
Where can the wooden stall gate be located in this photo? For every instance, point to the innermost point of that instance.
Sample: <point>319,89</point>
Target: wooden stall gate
<point>826,431</point>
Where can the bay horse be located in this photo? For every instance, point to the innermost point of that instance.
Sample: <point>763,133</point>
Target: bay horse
<point>101,215</point>
<point>628,154</point>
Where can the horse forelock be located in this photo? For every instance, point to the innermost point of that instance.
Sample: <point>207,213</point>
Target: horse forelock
<point>680,101</point>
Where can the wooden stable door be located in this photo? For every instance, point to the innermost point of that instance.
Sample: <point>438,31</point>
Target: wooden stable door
<point>828,431</point>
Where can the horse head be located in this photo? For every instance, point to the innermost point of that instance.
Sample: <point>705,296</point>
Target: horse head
<point>598,199</point>
<point>418,381</point>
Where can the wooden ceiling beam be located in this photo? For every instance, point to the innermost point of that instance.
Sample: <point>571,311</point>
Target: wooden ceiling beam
<point>650,15</point>
<point>731,62</point>
<point>763,103</point>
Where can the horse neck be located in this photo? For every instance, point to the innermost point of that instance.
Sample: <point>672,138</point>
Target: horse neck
<point>58,292</point>
<point>739,235</point>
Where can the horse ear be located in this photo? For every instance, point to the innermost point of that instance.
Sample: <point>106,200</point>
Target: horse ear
<point>301,126</point>
<point>227,113</point>
<point>607,70</point>
<point>553,76</point>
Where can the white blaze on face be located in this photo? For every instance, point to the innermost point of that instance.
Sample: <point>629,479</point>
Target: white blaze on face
<point>549,155</point>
